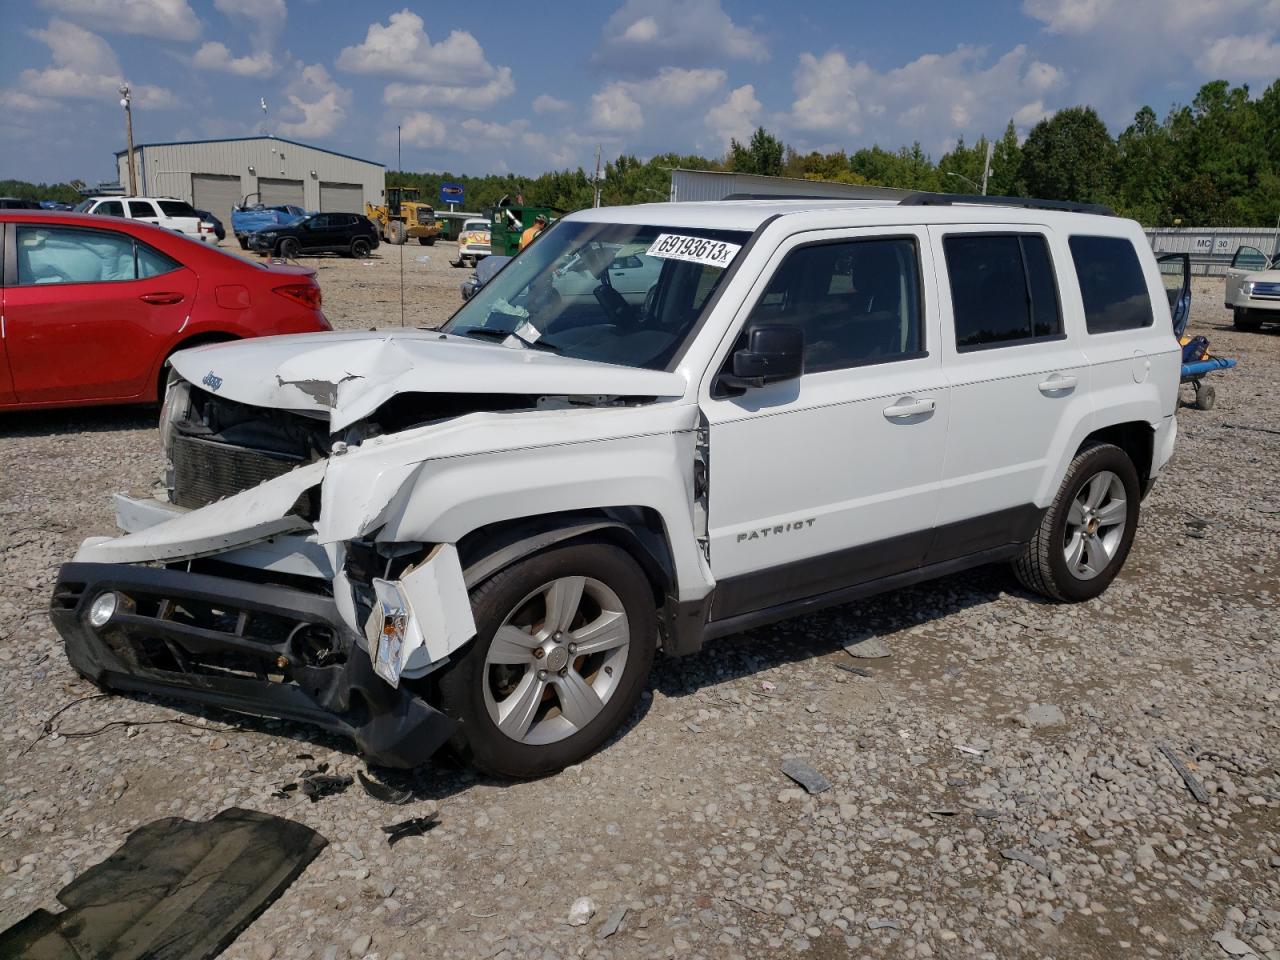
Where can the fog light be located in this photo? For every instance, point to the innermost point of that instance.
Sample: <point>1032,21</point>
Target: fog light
<point>102,609</point>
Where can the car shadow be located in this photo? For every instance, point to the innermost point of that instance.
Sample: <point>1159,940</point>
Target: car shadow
<point>104,419</point>
<point>809,637</point>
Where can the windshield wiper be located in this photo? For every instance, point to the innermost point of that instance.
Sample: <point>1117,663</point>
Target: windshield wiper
<point>485,333</point>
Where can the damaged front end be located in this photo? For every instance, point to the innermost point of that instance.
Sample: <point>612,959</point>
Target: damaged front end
<point>220,593</point>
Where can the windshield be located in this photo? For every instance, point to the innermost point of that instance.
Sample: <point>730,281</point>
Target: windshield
<point>612,292</point>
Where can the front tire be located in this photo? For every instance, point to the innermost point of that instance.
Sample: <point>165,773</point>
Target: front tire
<point>289,248</point>
<point>396,232</point>
<point>564,643</point>
<point>1241,320</point>
<point>1086,534</point>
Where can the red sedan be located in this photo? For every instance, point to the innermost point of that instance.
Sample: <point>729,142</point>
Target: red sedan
<point>92,307</point>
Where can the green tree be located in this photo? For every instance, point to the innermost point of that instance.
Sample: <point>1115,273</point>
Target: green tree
<point>762,154</point>
<point>1145,169</point>
<point>1006,161</point>
<point>1069,156</point>
<point>966,163</point>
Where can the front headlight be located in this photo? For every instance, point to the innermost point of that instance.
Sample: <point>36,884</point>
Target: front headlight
<point>1247,287</point>
<point>177,400</point>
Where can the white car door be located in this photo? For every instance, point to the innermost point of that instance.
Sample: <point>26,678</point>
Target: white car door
<point>1018,376</point>
<point>1247,260</point>
<point>830,480</point>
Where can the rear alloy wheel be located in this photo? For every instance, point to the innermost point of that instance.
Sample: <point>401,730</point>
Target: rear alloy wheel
<point>289,248</point>
<point>1086,534</point>
<point>564,642</point>
<point>1242,321</point>
<point>359,248</point>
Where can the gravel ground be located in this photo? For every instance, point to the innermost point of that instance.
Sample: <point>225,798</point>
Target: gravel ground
<point>997,787</point>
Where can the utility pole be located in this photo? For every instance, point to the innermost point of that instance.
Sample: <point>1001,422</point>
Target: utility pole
<point>595,181</point>
<point>986,167</point>
<point>126,100</point>
<point>400,170</point>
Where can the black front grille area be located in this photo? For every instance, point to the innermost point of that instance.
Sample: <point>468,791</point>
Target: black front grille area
<point>206,470</point>
<point>426,217</point>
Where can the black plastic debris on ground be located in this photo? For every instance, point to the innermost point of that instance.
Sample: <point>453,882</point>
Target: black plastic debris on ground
<point>324,785</point>
<point>383,792</point>
<point>805,775</point>
<point>176,890</point>
<point>414,827</point>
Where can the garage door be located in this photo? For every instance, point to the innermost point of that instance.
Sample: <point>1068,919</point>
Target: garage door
<point>215,193</point>
<point>275,192</point>
<point>341,198</point>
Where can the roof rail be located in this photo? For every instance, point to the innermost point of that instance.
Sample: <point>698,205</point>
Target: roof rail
<point>947,199</point>
<point>783,196</point>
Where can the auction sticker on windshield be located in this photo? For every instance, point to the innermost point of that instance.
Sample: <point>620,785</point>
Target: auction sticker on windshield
<point>674,246</point>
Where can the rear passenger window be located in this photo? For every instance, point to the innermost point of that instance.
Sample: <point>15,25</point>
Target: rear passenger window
<point>138,209</point>
<point>1002,289</point>
<point>858,302</point>
<point>1111,284</point>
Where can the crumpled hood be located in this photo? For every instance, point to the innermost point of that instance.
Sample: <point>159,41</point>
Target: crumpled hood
<point>349,375</point>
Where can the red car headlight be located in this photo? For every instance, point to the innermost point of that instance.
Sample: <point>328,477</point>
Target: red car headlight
<point>307,294</point>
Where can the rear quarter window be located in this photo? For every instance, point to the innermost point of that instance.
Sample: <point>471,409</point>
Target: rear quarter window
<point>1112,284</point>
<point>177,208</point>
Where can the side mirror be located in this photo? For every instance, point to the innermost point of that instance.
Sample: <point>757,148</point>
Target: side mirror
<point>774,352</point>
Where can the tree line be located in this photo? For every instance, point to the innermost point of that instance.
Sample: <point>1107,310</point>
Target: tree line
<point>1213,162</point>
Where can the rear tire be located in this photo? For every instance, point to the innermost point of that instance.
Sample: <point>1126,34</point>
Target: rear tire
<point>1206,396</point>
<point>1076,552</point>
<point>550,603</point>
<point>244,244</point>
<point>427,241</point>
<point>1241,320</point>
<point>289,248</point>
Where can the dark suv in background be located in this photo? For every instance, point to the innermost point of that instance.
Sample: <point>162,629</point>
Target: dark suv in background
<point>346,233</point>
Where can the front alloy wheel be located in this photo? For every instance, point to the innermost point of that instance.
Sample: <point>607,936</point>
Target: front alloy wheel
<point>564,643</point>
<point>557,660</point>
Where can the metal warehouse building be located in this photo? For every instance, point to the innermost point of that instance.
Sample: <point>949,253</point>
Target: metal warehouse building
<point>214,175</point>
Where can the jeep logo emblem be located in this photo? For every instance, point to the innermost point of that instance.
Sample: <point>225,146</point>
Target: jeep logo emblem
<point>211,381</point>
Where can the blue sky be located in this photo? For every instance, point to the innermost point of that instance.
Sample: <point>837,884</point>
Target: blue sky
<point>498,86</point>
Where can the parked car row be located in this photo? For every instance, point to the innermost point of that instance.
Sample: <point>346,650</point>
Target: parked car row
<point>176,215</point>
<point>94,307</point>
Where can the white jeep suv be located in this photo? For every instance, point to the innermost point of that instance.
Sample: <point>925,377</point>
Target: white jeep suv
<point>483,534</point>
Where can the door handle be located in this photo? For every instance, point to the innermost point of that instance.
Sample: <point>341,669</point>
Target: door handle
<point>1058,383</point>
<point>905,407</point>
<point>158,299</point>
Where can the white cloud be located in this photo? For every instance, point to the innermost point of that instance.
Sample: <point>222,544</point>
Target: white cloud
<point>457,95</point>
<point>267,17</point>
<point>737,117</point>
<point>935,97</point>
<point>1254,56</point>
<point>422,130</point>
<point>613,108</point>
<point>216,56</point>
<point>402,48</point>
<point>317,102</point>
<point>452,73</point>
<point>642,34</point>
<point>1069,16</point>
<point>1127,48</point>
<point>84,67</point>
<point>25,102</point>
<point>619,105</point>
<point>545,103</point>
<point>162,19</point>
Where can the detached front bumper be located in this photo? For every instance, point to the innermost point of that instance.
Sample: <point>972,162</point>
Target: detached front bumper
<point>253,648</point>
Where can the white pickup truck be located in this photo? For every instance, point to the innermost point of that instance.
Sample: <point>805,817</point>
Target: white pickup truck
<point>483,534</point>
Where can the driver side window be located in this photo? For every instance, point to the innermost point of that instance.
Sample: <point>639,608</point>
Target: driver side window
<point>857,301</point>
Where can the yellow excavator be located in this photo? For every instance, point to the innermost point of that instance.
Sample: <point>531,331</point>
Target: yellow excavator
<point>403,216</point>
